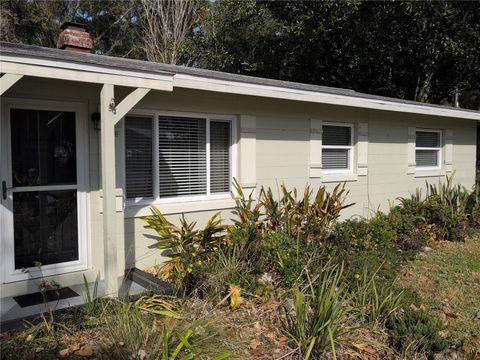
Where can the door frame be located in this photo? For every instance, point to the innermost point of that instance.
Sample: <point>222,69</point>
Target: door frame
<point>7,271</point>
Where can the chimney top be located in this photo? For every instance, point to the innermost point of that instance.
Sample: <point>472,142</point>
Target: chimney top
<point>73,25</point>
<point>74,37</point>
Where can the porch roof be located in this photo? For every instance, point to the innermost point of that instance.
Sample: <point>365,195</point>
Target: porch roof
<point>18,58</point>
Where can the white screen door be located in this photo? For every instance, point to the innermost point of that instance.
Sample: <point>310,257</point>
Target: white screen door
<point>42,202</point>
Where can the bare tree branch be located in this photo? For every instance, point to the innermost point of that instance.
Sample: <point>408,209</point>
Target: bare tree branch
<point>166,25</point>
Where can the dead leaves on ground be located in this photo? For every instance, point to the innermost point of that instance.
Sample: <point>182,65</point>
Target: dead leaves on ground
<point>362,351</point>
<point>76,349</point>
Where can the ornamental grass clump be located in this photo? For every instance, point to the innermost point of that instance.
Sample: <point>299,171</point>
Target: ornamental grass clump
<point>374,303</point>
<point>315,320</point>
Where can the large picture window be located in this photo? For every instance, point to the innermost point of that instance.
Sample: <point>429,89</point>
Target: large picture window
<point>428,145</point>
<point>177,157</point>
<point>337,148</point>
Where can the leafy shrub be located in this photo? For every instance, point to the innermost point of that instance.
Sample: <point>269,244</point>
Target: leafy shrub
<point>416,331</point>
<point>314,321</point>
<point>412,232</point>
<point>290,257</point>
<point>186,247</point>
<point>445,211</point>
<point>365,244</point>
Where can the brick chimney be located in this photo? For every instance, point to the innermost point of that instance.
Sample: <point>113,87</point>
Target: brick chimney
<point>74,37</point>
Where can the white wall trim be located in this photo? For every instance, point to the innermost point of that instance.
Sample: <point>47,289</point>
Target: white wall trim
<point>277,92</point>
<point>248,151</point>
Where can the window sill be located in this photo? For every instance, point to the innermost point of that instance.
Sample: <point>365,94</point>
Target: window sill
<point>133,210</point>
<point>429,173</point>
<point>328,178</point>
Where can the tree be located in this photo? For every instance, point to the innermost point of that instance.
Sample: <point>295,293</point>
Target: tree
<point>112,23</point>
<point>166,25</point>
<point>424,51</point>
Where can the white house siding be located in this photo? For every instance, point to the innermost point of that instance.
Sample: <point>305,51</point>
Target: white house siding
<point>282,157</point>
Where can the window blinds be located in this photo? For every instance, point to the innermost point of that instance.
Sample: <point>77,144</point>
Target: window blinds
<point>335,158</point>
<point>182,156</point>
<point>426,158</point>
<point>427,139</point>
<point>219,156</point>
<point>427,148</point>
<point>138,157</point>
<point>336,147</point>
<point>336,135</point>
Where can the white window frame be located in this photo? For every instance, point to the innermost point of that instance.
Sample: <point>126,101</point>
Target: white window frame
<point>351,156</point>
<point>156,200</point>
<point>438,149</point>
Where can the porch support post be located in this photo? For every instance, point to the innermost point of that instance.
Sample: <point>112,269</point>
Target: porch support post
<point>107,109</point>
<point>7,81</point>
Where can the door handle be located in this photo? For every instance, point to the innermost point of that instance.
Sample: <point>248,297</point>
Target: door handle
<point>4,190</point>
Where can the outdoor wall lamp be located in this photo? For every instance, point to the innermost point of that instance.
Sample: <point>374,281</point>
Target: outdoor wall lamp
<point>96,120</point>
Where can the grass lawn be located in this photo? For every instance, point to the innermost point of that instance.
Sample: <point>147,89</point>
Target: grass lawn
<point>448,280</point>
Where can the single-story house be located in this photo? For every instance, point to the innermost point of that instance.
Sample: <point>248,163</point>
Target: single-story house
<point>88,142</point>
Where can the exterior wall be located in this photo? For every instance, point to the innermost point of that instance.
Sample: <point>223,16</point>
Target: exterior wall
<point>282,156</point>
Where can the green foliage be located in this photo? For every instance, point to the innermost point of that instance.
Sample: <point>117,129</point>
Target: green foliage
<point>444,212</point>
<point>374,303</point>
<point>428,49</point>
<point>248,214</point>
<point>113,24</point>
<point>314,321</point>
<point>308,216</point>
<point>416,331</point>
<point>186,247</point>
<point>366,245</point>
<point>91,301</point>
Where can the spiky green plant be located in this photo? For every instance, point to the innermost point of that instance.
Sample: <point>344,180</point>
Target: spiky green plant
<point>373,304</point>
<point>186,246</point>
<point>314,322</point>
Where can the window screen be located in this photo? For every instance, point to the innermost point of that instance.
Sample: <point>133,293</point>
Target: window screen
<point>138,157</point>
<point>182,156</point>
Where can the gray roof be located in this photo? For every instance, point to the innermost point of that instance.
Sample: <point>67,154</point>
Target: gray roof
<point>167,69</point>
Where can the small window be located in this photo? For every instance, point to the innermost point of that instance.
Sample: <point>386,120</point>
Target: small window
<point>337,148</point>
<point>428,147</point>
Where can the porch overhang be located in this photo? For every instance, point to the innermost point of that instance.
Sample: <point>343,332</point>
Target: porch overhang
<point>19,66</point>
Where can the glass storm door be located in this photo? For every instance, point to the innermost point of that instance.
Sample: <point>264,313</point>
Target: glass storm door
<point>41,195</point>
